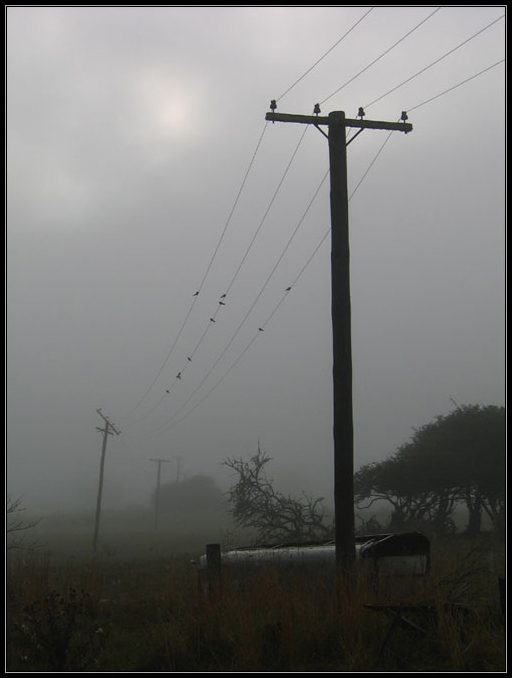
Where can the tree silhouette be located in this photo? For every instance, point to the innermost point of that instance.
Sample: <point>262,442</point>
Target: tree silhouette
<point>455,458</point>
<point>197,493</point>
<point>272,516</point>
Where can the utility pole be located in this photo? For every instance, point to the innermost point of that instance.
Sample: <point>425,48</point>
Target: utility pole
<point>157,495</point>
<point>178,469</point>
<point>106,432</point>
<point>337,125</point>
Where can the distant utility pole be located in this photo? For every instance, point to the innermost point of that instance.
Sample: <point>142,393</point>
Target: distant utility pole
<point>157,495</point>
<point>108,430</point>
<point>343,432</point>
<point>178,469</point>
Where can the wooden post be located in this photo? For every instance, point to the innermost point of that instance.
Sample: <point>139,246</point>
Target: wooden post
<point>213,566</point>
<point>106,432</point>
<point>342,349</point>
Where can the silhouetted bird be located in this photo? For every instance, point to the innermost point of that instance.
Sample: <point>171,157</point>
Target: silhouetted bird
<point>195,295</point>
<point>212,320</point>
<point>178,376</point>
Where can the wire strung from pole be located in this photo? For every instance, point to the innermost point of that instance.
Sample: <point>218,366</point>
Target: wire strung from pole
<point>213,317</point>
<point>219,358</point>
<point>463,82</point>
<point>170,425</point>
<point>327,53</point>
<point>382,55</point>
<point>258,230</point>
<point>196,295</point>
<point>155,379</point>
<point>435,62</point>
<point>389,136</point>
<point>267,210</point>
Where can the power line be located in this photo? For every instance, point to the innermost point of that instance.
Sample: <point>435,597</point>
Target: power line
<point>166,427</point>
<point>155,379</point>
<point>195,297</point>
<point>255,300</point>
<point>234,277</point>
<point>408,80</point>
<point>450,89</point>
<point>381,56</point>
<point>328,52</point>
<point>435,62</point>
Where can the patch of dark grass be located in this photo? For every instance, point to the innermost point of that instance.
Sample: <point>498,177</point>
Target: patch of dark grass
<point>149,615</point>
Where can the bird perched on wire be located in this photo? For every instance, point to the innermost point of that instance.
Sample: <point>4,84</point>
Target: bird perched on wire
<point>178,376</point>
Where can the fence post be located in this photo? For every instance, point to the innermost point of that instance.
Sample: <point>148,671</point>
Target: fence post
<point>213,565</point>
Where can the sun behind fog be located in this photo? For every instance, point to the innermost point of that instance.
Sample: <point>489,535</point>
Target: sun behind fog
<point>168,104</point>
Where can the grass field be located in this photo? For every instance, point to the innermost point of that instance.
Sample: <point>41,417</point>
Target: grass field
<point>136,606</point>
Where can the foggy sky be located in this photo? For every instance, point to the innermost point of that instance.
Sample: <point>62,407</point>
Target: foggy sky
<point>130,131</point>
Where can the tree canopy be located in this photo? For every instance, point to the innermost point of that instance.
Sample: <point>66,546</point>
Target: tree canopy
<point>456,458</point>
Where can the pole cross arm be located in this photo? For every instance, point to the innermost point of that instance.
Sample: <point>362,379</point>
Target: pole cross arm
<point>348,122</point>
<point>108,422</point>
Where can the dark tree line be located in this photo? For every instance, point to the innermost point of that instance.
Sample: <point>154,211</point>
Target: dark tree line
<point>456,459</point>
<point>198,493</point>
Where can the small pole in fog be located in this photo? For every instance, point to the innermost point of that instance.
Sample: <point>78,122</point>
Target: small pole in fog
<point>108,430</point>
<point>178,469</point>
<point>157,495</point>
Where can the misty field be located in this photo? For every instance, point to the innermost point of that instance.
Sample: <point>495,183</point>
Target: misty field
<point>137,606</point>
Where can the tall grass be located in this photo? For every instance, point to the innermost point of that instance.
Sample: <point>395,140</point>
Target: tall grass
<point>150,615</point>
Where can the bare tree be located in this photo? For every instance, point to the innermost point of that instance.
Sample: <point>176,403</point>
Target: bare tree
<point>16,526</point>
<point>274,517</point>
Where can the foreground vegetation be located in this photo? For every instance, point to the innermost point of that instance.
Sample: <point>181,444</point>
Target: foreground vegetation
<point>137,606</point>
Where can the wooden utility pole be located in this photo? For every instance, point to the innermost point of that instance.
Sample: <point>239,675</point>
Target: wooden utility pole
<point>337,125</point>
<point>157,495</point>
<point>178,459</point>
<point>108,430</point>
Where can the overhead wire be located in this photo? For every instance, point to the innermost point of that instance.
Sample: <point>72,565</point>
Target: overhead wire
<point>372,63</point>
<point>235,275</point>
<point>326,54</point>
<point>212,319</point>
<point>196,295</point>
<point>463,82</point>
<point>434,63</point>
<point>159,372</point>
<point>171,424</point>
<point>368,169</point>
<point>267,281</point>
